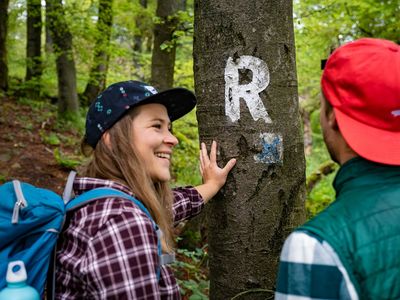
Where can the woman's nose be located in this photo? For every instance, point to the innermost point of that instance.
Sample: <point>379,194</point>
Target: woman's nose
<point>170,139</point>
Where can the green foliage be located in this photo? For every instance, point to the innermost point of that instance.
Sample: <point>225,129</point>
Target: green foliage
<point>183,76</point>
<point>188,270</point>
<point>323,193</point>
<point>321,196</point>
<point>64,161</point>
<point>49,139</point>
<point>185,166</point>
<point>190,239</point>
<point>322,25</point>
<point>73,122</point>
<point>34,105</point>
<point>16,41</point>
<point>319,152</point>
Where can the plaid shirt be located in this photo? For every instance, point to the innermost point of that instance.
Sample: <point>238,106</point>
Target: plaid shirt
<point>310,269</point>
<point>108,250</point>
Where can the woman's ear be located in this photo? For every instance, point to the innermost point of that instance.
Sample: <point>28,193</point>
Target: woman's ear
<point>106,139</point>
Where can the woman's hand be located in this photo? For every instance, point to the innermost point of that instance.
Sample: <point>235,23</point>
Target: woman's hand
<point>214,177</point>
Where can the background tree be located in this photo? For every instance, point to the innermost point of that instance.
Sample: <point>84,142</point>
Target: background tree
<point>137,37</point>
<point>3,45</point>
<point>101,56</point>
<point>48,44</point>
<point>264,196</point>
<point>164,49</point>
<point>68,106</point>
<point>33,47</point>
<point>141,20</point>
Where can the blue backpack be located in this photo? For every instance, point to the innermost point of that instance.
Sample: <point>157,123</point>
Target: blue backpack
<point>31,219</point>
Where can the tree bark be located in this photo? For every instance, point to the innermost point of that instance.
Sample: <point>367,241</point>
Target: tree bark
<point>246,85</point>
<point>68,105</point>
<point>101,57</point>
<point>182,5</point>
<point>137,38</point>
<point>138,42</point>
<point>163,60</point>
<point>33,46</point>
<point>49,40</point>
<point>3,45</point>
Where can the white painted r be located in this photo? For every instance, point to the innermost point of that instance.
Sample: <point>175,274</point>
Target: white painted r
<point>234,91</point>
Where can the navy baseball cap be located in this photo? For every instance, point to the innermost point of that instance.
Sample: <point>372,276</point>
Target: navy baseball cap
<point>112,104</point>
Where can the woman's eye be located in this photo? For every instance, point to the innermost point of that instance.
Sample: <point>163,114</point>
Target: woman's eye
<point>158,126</point>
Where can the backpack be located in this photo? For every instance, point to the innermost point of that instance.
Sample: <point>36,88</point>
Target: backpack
<point>31,219</point>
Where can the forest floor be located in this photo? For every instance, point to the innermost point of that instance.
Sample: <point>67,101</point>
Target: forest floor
<point>26,148</point>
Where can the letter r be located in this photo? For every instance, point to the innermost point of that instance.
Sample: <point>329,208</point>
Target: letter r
<point>250,91</point>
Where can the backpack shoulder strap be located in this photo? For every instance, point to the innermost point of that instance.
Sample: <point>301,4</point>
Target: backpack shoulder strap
<point>68,189</point>
<point>101,193</point>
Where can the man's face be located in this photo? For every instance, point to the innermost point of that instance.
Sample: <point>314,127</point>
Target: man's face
<point>328,131</point>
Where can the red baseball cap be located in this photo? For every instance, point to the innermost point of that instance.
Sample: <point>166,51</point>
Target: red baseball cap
<point>361,80</point>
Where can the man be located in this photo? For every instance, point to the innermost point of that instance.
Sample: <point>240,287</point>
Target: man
<point>351,250</point>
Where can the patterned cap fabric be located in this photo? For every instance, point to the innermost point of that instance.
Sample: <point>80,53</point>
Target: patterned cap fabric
<point>361,80</point>
<point>111,104</point>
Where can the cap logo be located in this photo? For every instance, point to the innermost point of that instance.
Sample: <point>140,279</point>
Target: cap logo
<point>150,89</point>
<point>396,113</point>
<point>98,106</point>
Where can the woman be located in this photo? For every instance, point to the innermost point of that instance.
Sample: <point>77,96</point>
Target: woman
<point>108,248</point>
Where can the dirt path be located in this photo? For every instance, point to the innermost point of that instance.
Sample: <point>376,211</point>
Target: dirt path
<point>23,154</point>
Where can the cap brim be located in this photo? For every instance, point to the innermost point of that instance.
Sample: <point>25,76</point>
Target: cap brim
<point>371,143</point>
<point>178,101</point>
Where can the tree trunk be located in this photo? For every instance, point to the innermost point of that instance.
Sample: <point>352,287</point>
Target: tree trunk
<point>138,42</point>
<point>137,37</point>
<point>182,5</point>
<point>33,51</point>
<point>245,81</point>
<point>68,105</point>
<point>49,40</point>
<point>3,45</point>
<point>163,59</point>
<point>101,57</point>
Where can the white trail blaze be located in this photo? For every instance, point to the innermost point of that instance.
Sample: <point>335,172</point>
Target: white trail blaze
<point>250,91</point>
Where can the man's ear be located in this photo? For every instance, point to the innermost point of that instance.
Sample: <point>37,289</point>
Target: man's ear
<point>106,139</point>
<point>332,120</point>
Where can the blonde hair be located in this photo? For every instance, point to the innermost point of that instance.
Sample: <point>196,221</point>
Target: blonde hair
<point>120,162</point>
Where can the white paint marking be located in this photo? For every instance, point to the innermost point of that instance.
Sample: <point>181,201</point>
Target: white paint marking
<point>249,92</point>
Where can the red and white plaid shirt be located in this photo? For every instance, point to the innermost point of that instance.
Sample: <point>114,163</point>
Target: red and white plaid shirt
<point>108,249</point>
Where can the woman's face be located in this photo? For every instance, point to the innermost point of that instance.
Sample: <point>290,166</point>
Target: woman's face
<point>153,140</point>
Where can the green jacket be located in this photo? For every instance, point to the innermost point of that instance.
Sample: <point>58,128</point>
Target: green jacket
<point>363,226</point>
